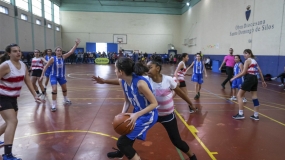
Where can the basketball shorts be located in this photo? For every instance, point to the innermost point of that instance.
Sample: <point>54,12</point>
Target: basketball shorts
<point>60,80</point>
<point>143,124</point>
<point>197,78</point>
<point>237,83</point>
<point>7,102</point>
<point>47,73</point>
<point>37,72</point>
<point>250,83</point>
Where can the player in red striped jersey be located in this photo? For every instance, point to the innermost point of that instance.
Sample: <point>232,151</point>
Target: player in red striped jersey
<point>13,74</point>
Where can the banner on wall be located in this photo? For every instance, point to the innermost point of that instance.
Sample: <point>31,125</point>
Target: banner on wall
<point>102,61</point>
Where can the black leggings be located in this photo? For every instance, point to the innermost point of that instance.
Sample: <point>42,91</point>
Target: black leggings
<point>281,76</point>
<point>125,145</point>
<point>230,73</point>
<point>169,122</point>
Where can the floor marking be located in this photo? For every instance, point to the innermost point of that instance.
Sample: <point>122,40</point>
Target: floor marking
<point>193,130</point>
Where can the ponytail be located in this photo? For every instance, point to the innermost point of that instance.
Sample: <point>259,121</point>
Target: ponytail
<point>139,69</point>
<point>128,66</point>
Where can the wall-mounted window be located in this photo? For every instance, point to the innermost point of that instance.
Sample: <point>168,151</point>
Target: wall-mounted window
<point>24,17</point>
<point>47,4</point>
<point>23,4</point>
<point>4,10</point>
<point>38,22</point>
<point>37,7</point>
<point>49,25</point>
<point>7,1</point>
<point>56,14</point>
<point>57,28</point>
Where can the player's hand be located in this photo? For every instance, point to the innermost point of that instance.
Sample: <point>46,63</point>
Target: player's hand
<point>133,118</point>
<point>41,78</point>
<point>77,41</point>
<point>264,84</point>
<point>232,79</point>
<point>37,99</point>
<point>98,80</point>
<point>188,74</point>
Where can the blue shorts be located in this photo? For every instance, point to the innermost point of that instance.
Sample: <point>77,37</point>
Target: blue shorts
<point>237,83</point>
<point>143,124</point>
<point>60,80</point>
<point>197,78</point>
<point>47,73</point>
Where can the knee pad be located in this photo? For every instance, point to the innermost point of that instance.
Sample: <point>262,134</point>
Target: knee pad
<point>64,91</point>
<point>255,102</point>
<point>53,93</point>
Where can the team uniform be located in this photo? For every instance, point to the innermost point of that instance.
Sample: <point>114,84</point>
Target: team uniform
<point>237,82</point>
<point>146,121</point>
<point>47,73</point>
<point>180,75</point>
<point>250,79</point>
<point>57,73</point>
<point>37,67</point>
<point>198,69</point>
<point>163,94</point>
<point>11,85</point>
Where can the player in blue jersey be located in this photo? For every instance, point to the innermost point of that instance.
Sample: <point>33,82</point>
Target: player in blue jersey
<point>138,92</point>
<point>57,74</point>
<point>47,57</point>
<point>236,84</point>
<point>197,76</point>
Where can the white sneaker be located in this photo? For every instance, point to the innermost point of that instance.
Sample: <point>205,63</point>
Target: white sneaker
<point>281,85</point>
<point>233,98</point>
<point>273,78</point>
<point>67,101</point>
<point>244,100</point>
<point>53,108</point>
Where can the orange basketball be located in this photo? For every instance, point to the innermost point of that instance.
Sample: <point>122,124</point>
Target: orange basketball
<point>120,126</point>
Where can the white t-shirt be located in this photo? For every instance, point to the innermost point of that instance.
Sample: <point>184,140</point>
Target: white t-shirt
<point>163,94</point>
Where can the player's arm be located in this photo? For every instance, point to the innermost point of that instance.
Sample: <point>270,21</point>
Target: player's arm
<point>28,82</point>
<point>179,67</point>
<point>127,102</point>
<point>72,49</point>
<point>261,76</point>
<point>245,67</point>
<point>224,61</point>
<point>46,67</point>
<point>5,69</point>
<point>100,80</point>
<point>189,67</point>
<point>204,68</point>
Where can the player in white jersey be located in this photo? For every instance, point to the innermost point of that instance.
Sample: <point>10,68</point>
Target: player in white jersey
<point>197,76</point>
<point>37,66</point>
<point>58,74</point>
<point>13,74</point>
<point>250,71</point>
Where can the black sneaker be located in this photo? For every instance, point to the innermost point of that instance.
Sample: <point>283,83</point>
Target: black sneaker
<point>223,86</point>
<point>117,154</point>
<point>192,157</point>
<point>196,97</point>
<point>254,118</point>
<point>238,116</point>
<point>192,110</point>
<point>199,94</point>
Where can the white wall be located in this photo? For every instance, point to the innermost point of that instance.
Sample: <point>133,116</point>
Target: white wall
<point>145,32</point>
<point>212,21</point>
<point>27,36</point>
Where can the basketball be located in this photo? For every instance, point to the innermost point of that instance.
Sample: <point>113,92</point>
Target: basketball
<point>119,126</point>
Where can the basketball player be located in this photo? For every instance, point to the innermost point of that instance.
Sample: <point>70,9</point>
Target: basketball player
<point>197,76</point>
<point>37,66</point>
<point>13,74</point>
<point>58,73</point>
<point>48,56</point>
<point>251,69</point>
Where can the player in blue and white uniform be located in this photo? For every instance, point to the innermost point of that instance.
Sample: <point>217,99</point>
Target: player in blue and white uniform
<point>197,76</point>
<point>138,92</point>
<point>57,74</point>
<point>47,57</point>
<point>236,84</point>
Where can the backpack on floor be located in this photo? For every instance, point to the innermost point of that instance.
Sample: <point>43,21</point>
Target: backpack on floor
<point>267,77</point>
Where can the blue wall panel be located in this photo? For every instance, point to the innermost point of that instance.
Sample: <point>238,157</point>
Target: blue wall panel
<point>90,47</point>
<point>112,47</point>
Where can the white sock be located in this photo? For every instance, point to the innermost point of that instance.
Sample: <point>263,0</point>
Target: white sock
<point>255,114</point>
<point>240,112</point>
<point>65,98</point>
<point>53,103</point>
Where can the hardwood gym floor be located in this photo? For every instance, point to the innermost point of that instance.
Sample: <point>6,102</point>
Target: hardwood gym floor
<point>83,130</point>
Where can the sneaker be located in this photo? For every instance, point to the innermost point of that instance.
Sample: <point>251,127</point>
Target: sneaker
<point>238,116</point>
<point>192,157</point>
<point>199,94</point>
<point>196,97</point>
<point>281,85</point>
<point>10,157</point>
<point>67,101</point>
<point>53,109</point>
<point>244,100</point>
<point>1,143</point>
<point>233,98</point>
<point>273,78</point>
<point>192,110</point>
<point>254,118</point>
<point>117,154</point>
